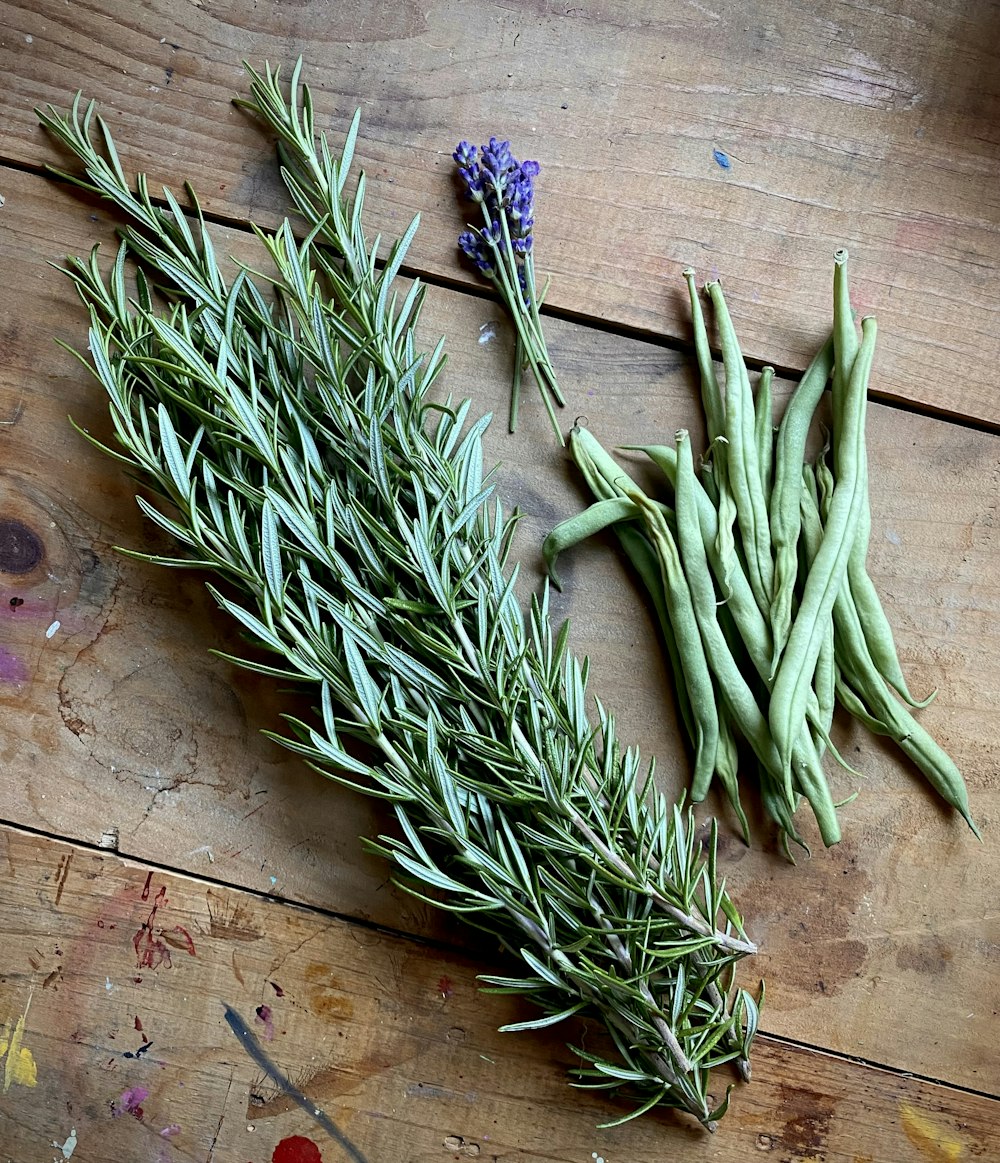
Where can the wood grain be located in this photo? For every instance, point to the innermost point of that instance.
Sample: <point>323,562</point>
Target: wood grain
<point>875,129</point>
<point>121,730</point>
<point>120,974</point>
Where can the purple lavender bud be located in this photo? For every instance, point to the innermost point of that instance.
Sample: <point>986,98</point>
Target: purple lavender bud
<point>471,245</point>
<point>498,160</point>
<point>520,195</point>
<point>530,169</point>
<point>473,181</point>
<point>465,155</point>
<point>522,245</point>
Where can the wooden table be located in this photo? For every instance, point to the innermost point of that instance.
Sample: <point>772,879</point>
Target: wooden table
<point>161,859</point>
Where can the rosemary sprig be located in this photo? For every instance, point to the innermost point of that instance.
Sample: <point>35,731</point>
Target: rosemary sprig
<point>286,423</point>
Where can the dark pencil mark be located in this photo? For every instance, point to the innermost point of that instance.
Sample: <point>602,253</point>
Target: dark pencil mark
<point>249,1043</point>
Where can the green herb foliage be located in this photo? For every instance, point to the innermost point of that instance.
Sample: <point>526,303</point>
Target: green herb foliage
<point>288,428</point>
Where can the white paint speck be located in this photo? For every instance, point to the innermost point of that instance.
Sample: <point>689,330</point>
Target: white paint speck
<point>29,40</point>
<point>53,628</point>
<point>597,1158</point>
<point>893,536</point>
<point>1,199</point>
<point>69,1146</point>
<point>486,333</point>
<point>107,984</point>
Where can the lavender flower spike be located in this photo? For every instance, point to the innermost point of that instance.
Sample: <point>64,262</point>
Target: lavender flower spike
<point>502,250</point>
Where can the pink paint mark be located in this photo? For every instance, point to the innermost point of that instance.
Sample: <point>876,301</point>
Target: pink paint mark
<point>445,987</point>
<point>265,1016</point>
<point>12,669</point>
<point>145,887</point>
<point>169,1132</point>
<point>277,989</point>
<point>296,1149</point>
<point>129,1102</point>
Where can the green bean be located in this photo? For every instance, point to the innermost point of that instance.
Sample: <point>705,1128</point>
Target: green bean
<point>583,526</point>
<point>877,630</point>
<point>789,456</point>
<point>596,467</point>
<point>897,722</point>
<point>852,702</point>
<point>825,679</point>
<point>732,685</point>
<point>875,625</point>
<point>691,651</point>
<point>845,339</point>
<point>793,680</point>
<point>727,763</point>
<point>864,694</point>
<point>763,427</point>
<point>741,457</point>
<point>711,395</point>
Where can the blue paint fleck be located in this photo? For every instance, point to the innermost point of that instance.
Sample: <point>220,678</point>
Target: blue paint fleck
<point>721,159</point>
<point>274,881</point>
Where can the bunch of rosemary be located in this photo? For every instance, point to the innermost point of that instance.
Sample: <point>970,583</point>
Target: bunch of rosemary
<point>286,423</point>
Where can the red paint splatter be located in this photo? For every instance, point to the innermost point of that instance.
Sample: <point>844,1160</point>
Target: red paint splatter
<point>145,888</point>
<point>445,988</point>
<point>277,989</point>
<point>150,951</point>
<point>296,1149</point>
<point>264,1016</point>
<point>129,1102</point>
<point>138,1025</point>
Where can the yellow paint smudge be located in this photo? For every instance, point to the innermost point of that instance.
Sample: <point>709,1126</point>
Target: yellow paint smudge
<point>932,1140</point>
<point>18,1061</point>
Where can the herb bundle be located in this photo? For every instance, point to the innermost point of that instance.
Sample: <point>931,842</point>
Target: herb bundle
<point>288,427</point>
<point>756,567</point>
<point>502,251</point>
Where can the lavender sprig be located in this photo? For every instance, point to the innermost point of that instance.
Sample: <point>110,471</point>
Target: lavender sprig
<point>502,250</point>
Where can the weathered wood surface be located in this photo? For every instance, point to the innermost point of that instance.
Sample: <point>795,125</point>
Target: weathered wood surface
<point>838,125</point>
<point>115,975</point>
<point>120,722</point>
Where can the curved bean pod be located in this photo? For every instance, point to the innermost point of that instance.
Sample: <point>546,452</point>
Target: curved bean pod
<point>793,680</point>
<point>789,456</point>
<point>741,456</point>
<point>763,430</point>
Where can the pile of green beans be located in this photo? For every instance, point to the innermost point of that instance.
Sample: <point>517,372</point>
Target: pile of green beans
<point>755,564</point>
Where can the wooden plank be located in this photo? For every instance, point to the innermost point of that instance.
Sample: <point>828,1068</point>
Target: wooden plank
<point>838,127</point>
<point>116,976</point>
<point>900,910</point>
